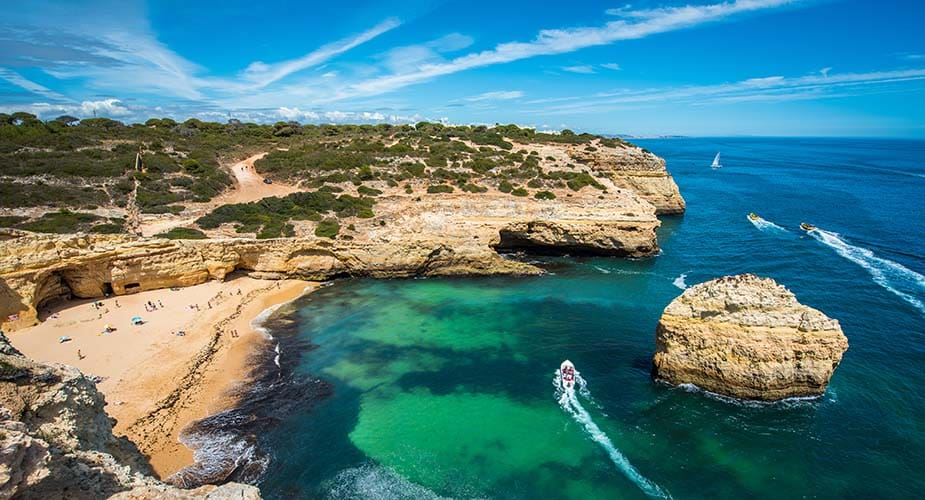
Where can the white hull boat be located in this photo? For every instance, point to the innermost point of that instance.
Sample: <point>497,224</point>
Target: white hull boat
<point>567,375</point>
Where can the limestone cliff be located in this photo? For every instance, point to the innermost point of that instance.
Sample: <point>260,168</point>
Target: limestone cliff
<point>56,440</point>
<point>442,235</point>
<point>747,337</point>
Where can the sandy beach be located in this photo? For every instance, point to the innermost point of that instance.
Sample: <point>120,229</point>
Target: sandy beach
<point>156,379</point>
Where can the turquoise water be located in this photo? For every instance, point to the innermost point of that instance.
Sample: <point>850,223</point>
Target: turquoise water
<point>444,387</point>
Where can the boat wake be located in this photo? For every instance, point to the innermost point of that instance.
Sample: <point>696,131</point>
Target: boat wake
<point>679,282</point>
<point>569,402</point>
<point>895,277</point>
<point>765,225</point>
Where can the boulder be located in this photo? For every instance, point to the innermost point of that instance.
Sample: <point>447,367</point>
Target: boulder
<point>747,337</point>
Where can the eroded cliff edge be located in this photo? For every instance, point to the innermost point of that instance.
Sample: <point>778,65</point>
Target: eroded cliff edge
<point>747,337</point>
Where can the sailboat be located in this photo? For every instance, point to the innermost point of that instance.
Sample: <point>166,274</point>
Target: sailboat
<point>716,163</point>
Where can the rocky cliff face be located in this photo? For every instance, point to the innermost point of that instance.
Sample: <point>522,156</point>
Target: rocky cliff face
<point>747,337</point>
<point>56,441</point>
<point>438,235</point>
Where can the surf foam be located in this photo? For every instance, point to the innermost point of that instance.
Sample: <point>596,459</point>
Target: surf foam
<point>569,402</point>
<point>679,282</point>
<point>893,276</point>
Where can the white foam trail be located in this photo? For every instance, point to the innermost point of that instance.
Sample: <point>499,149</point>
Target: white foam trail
<point>679,282</point>
<point>601,269</point>
<point>897,278</point>
<point>276,359</point>
<point>765,225</point>
<point>569,402</point>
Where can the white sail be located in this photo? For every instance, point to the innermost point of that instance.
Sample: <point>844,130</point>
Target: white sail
<point>716,163</point>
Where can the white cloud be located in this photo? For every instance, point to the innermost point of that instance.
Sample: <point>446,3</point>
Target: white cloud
<point>773,88</point>
<point>498,95</point>
<point>106,107</point>
<point>825,71</point>
<point>611,66</point>
<point>262,74</point>
<point>35,88</point>
<point>585,69</point>
<point>450,42</point>
<point>560,41</point>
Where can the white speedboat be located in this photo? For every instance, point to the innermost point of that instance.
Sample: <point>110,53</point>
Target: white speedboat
<point>567,375</point>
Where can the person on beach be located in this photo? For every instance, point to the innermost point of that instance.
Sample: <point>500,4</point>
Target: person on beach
<point>80,355</point>
<point>117,303</point>
<point>160,305</point>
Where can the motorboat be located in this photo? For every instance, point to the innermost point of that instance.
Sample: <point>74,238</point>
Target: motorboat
<point>567,375</point>
<point>807,227</point>
<point>753,216</point>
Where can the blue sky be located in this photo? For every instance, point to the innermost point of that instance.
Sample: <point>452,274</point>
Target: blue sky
<point>654,67</point>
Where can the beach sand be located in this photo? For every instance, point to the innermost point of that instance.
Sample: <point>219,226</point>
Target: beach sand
<point>156,382</point>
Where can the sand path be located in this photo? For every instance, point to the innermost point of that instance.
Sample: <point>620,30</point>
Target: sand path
<point>249,186</point>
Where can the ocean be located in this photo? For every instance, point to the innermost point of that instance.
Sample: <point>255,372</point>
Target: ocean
<point>435,388</point>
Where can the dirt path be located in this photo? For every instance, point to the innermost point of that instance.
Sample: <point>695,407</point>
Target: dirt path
<point>250,185</point>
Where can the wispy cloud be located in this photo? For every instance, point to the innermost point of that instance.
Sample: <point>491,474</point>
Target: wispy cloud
<point>262,74</point>
<point>641,23</point>
<point>772,88</point>
<point>35,88</point>
<point>611,66</point>
<point>584,69</point>
<point>499,95</point>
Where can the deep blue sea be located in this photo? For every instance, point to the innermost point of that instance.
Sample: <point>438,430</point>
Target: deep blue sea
<point>444,387</point>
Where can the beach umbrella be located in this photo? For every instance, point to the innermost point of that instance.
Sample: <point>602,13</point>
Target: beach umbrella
<point>136,320</point>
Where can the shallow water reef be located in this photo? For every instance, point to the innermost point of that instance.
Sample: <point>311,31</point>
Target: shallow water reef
<point>747,337</point>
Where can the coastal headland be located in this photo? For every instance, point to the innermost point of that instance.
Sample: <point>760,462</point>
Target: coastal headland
<point>163,322</point>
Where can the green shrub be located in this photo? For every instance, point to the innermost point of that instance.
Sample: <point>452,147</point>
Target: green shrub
<point>473,188</point>
<point>505,187</point>
<point>63,221</point>
<point>183,233</point>
<point>520,192</point>
<point>106,228</point>
<point>440,188</point>
<point>368,191</point>
<point>544,195</point>
<point>535,183</point>
<point>11,220</point>
<point>327,228</point>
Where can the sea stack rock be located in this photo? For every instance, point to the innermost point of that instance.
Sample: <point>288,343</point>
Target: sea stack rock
<point>747,337</point>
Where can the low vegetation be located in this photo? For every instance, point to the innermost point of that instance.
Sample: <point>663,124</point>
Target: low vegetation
<point>183,233</point>
<point>270,217</point>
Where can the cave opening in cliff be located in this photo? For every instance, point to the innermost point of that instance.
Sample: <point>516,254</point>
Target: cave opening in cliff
<point>107,289</point>
<point>512,242</point>
<point>132,286</point>
<point>54,287</point>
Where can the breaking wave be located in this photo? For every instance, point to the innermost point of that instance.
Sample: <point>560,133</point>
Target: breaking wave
<point>893,276</point>
<point>679,282</point>
<point>372,481</point>
<point>225,445</point>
